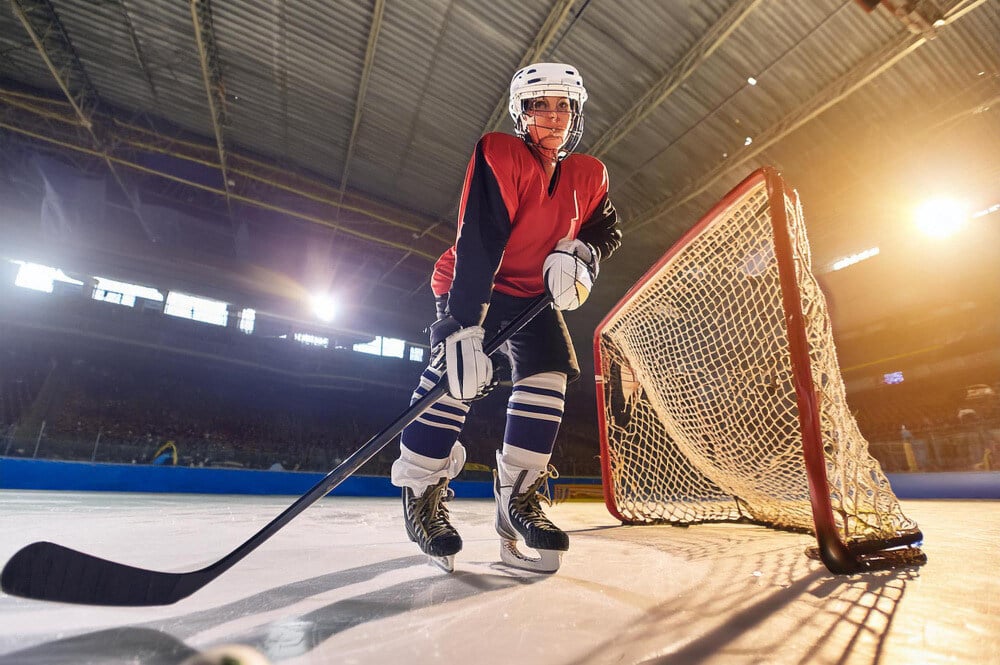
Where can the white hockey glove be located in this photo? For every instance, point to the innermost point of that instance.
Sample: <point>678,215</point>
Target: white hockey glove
<point>569,272</point>
<point>468,369</point>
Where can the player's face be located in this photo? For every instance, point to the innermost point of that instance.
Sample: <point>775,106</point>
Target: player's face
<point>548,120</point>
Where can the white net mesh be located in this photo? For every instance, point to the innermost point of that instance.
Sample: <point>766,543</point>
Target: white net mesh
<point>702,421</point>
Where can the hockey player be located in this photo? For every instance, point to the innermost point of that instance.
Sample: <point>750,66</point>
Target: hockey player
<point>534,217</point>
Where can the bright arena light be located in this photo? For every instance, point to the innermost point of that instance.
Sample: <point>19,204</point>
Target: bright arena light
<point>986,211</point>
<point>941,218</point>
<point>846,261</point>
<point>324,307</point>
<point>39,277</point>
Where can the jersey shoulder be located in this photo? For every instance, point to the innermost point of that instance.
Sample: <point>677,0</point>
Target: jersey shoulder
<point>506,155</point>
<point>502,139</point>
<point>586,163</point>
<point>589,170</point>
<point>498,143</point>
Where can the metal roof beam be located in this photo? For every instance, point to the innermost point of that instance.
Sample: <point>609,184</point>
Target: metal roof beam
<point>857,77</point>
<point>45,134</point>
<point>215,90</point>
<point>137,48</point>
<point>268,174</point>
<point>680,72</point>
<point>59,119</point>
<point>47,33</point>
<point>366,70</point>
<point>550,28</point>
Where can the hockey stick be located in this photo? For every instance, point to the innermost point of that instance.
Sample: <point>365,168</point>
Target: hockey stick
<point>46,571</point>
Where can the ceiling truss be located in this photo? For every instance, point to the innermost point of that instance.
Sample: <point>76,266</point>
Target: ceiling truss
<point>680,72</point>
<point>57,125</point>
<point>215,89</point>
<point>47,33</point>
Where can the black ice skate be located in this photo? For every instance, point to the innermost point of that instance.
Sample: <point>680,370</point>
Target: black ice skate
<point>427,524</point>
<point>520,515</point>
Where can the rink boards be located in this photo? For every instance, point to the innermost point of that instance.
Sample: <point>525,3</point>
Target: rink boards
<point>29,474</point>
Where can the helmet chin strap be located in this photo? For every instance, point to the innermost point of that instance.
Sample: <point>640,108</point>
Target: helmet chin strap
<point>550,155</point>
<point>546,155</point>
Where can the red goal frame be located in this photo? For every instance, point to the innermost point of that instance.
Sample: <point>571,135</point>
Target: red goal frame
<point>837,555</point>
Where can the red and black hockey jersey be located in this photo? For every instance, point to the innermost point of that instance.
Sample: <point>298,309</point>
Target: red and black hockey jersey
<point>511,217</point>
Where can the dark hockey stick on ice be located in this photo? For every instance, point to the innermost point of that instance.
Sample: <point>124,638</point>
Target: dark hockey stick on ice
<point>46,571</point>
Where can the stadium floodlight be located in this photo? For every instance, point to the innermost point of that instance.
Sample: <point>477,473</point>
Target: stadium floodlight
<point>941,217</point>
<point>324,307</point>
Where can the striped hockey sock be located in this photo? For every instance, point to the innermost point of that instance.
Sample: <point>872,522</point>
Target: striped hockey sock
<point>437,429</point>
<point>534,413</point>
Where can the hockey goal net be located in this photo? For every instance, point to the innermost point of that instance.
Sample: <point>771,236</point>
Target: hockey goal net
<point>720,397</point>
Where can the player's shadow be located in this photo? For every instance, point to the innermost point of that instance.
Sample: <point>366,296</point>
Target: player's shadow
<point>161,642</point>
<point>288,638</point>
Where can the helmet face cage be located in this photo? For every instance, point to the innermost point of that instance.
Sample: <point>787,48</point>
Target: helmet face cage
<point>548,80</point>
<point>574,132</point>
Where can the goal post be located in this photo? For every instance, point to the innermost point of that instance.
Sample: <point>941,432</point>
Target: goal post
<point>720,397</point>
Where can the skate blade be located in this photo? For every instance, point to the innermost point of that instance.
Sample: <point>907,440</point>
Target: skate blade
<point>548,561</point>
<point>445,563</point>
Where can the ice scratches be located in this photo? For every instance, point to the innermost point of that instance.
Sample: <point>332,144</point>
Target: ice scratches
<point>408,596</point>
<point>370,593</point>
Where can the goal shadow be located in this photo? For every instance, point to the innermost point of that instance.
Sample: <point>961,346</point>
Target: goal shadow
<point>758,594</point>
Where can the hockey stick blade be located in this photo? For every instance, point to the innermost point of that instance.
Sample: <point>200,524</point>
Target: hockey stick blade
<point>46,571</point>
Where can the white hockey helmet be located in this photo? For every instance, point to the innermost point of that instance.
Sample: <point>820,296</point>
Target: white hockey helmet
<point>548,79</point>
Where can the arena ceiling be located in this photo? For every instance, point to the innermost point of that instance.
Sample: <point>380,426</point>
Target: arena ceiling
<point>260,150</point>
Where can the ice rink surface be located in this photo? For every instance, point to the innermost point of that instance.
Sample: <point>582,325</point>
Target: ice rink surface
<point>342,584</point>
